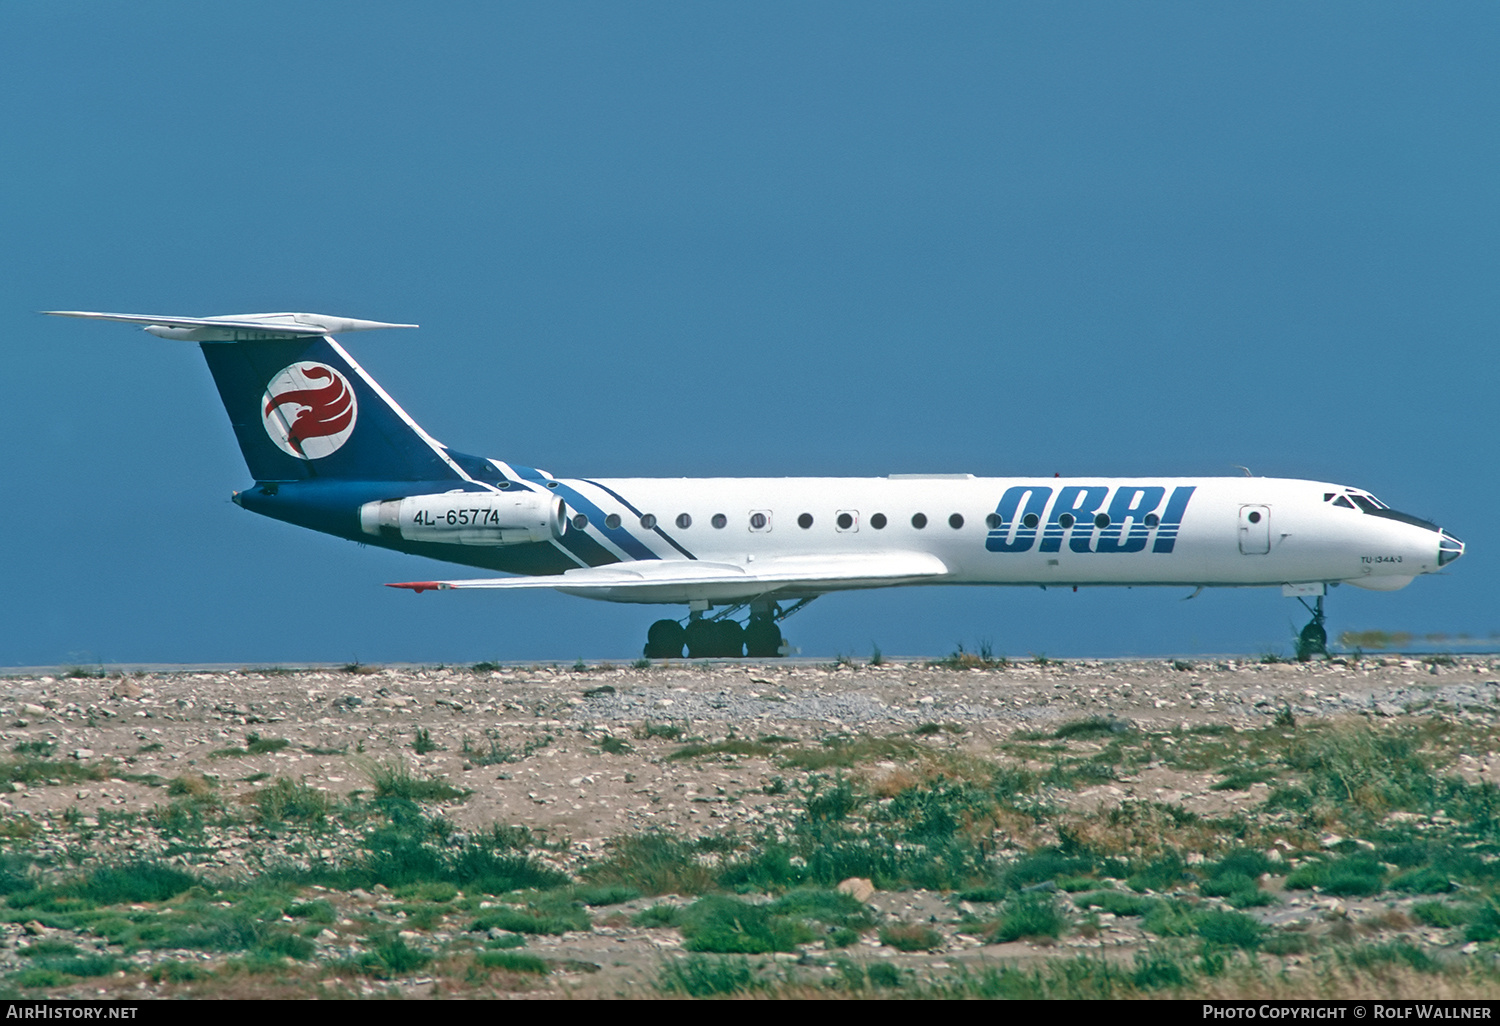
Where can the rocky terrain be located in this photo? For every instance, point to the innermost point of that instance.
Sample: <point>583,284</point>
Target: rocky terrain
<point>582,757</point>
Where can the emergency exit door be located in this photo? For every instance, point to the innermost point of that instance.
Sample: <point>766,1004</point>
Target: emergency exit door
<point>1255,530</point>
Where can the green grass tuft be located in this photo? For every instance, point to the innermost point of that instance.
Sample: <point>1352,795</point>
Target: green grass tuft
<point>1029,917</point>
<point>291,801</point>
<point>653,863</point>
<point>702,976</point>
<point>393,779</point>
<point>910,937</point>
<point>726,925</point>
<point>512,961</point>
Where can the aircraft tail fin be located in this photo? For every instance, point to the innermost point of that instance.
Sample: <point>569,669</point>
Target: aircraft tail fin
<point>301,407</point>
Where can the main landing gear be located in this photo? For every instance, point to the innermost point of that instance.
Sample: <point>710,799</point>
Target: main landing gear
<point>723,637</point>
<point>1313,639</point>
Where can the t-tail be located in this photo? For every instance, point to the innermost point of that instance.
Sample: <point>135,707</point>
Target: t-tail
<point>329,449</point>
<point>301,407</point>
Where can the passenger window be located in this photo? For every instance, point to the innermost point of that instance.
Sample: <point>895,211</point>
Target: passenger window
<point>758,521</point>
<point>845,521</point>
<point>580,521</point>
<point>993,521</point>
<point>612,521</point>
<point>1102,520</point>
<point>877,521</point>
<point>684,521</point>
<point>1031,520</point>
<point>1152,519</point>
<point>956,521</point>
<point>805,521</point>
<point>719,520</point>
<point>1066,520</point>
<point>919,520</point>
<point>648,521</point>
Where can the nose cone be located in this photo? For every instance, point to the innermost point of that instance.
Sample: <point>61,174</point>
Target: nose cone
<point>1449,549</point>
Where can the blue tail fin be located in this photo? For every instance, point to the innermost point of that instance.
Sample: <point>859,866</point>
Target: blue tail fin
<point>302,408</point>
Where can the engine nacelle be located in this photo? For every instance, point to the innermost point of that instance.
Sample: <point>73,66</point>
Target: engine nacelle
<point>467,518</point>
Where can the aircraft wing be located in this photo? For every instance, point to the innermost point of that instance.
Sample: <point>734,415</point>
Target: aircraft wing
<point>649,580</point>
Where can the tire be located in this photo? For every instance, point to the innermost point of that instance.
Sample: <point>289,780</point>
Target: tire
<point>700,636</point>
<point>763,639</point>
<point>1312,641</point>
<point>664,640</point>
<point>731,640</point>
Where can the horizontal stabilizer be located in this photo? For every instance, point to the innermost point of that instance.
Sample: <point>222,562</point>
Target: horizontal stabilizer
<point>236,327</point>
<point>654,579</point>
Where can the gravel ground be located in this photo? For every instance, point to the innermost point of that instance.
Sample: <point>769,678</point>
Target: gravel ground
<point>550,722</point>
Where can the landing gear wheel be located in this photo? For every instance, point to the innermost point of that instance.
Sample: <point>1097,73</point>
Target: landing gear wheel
<point>1313,639</point>
<point>665,640</point>
<point>730,639</point>
<point>715,639</point>
<point>763,639</point>
<point>700,636</point>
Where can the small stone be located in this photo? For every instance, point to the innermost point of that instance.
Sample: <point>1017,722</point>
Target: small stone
<point>857,887</point>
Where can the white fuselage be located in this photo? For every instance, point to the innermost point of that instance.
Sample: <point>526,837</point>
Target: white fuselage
<point>1238,531</point>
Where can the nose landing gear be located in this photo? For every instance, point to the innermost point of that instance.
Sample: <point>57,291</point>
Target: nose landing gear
<point>1313,639</point>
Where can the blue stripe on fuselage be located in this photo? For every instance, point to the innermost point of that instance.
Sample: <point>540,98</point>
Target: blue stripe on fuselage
<point>630,506</point>
<point>627,542</point>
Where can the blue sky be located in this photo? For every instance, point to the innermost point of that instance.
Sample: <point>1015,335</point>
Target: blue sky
<point>752,239</point>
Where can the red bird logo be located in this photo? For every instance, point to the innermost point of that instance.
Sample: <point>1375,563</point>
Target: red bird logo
<point>320,411</point>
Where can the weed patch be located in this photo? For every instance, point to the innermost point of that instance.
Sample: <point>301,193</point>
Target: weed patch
<point>1116,903</point>
<point>612,745</point>
<point>291,801</point>
<point>910,937</point>
<point>653,863</point>
<point>553,919</point>
<point>1029,917</point>
<point>724,925</point>
<point>512,961</point>
<point>703,976</point>
<point>1353,876</point>
<point>392,779</point>
<point>984,659</point>
<point>665,731</point>
<point>254,745</point>
<point>422,742</point>
<point>29,771</point>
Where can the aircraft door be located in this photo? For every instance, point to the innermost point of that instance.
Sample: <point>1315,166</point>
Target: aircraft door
<point>1255,530</point>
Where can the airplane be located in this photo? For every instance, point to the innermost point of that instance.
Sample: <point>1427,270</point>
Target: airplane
<point>330,450</point>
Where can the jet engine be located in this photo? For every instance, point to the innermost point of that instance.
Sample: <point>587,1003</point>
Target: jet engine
<point>467,518</point>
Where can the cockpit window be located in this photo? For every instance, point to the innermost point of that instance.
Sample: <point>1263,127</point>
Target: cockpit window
<point>1355,500</point>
